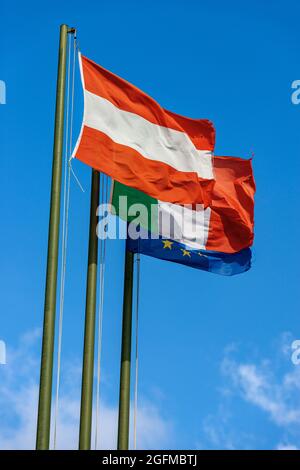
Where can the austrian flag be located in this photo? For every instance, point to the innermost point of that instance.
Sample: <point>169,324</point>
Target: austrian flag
<point>130,137</point>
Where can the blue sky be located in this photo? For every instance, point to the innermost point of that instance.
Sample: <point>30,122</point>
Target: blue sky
<point>215,368</point>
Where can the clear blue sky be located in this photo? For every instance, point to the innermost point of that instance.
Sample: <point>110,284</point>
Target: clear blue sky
<point>215,368</point>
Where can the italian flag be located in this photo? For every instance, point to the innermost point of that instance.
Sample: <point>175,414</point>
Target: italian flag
<point>130,137</point>
<point>226,226</point>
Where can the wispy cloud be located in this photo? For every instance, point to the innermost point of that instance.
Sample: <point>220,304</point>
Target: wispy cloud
<point>269,386</point>
<point>258,385</point>
<point>287,447</point>
<point>218,432</point>
<point>19,397</point>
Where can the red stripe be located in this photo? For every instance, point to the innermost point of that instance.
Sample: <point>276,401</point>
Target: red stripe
<point>232,216</point>
<point>129,167</point>
<point>127,97</point>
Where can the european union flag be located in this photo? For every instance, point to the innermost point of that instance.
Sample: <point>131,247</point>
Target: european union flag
<point>226,264</point>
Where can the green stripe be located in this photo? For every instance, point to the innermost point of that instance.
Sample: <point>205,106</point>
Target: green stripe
<point>134,196</point>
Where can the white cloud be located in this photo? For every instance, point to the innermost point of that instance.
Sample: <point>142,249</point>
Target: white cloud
<point>215,429</point>
<point>153,432</point>
<point>18,405</point>
<point>219,433</point>
<point>286,447</point>
<point>270,387</point>
<point>257,385</point>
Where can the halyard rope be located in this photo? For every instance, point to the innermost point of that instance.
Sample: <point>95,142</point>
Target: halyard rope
<point>102,246</point>
<point>66,205</point>
<point>136,350</point>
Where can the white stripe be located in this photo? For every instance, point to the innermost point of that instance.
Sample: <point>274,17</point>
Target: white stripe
<point>151,140</point>
<point>183,224</point>
<point>82,124</point>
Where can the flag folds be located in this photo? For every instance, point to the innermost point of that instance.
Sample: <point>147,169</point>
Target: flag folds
<point>215,239</point>
<point>185,205</point>
<point>130,137</point>
<point>226,226</point>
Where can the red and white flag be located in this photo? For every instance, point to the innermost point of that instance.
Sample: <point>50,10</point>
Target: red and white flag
<point>130,137</point>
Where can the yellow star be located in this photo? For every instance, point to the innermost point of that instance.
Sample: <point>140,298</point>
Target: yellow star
<point>167,244</point>
<point>185,252</point>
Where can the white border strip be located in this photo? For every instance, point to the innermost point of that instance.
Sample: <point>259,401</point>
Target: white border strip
<point>84,108</point>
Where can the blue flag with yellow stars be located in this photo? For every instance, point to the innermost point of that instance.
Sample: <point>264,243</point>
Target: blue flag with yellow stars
<point>226,264</point>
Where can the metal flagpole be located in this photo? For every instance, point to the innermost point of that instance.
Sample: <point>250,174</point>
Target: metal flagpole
<point>90,317</point>
<point>124,400</point>
<point>45,391</point>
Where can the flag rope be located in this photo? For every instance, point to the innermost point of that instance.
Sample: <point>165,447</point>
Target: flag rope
<point>137,300</point>
<point>103,200</point>
<point>75,48</point>
<point>66,205</point>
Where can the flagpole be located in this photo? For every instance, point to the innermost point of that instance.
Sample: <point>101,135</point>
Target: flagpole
<point>45,390</point>
<point>90,317</point>
<point>124,400</point>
